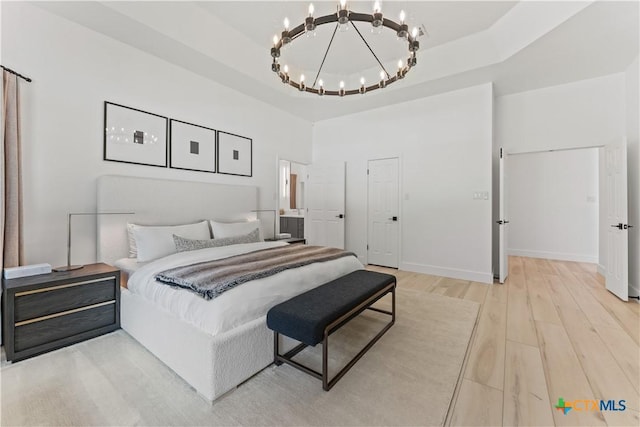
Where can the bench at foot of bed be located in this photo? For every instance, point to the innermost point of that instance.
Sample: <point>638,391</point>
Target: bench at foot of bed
<point>313,316</point>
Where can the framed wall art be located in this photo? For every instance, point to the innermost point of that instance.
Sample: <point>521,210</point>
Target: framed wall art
<point>234,154</point>
<point>134,136</point>
<point>193,147</point>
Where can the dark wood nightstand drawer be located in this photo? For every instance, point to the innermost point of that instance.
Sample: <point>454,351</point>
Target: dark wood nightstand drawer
<point>43,331</point>
<point>48,311</point>
<point>42,302</point>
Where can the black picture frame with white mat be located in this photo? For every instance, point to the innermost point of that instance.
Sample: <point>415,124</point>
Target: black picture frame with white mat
<point>192,147</point>
<point>235,154</point>
<point>134,136</point>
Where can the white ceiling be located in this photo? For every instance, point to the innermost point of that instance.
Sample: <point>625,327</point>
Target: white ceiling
<point>443,21</point>
<point>517,45</point>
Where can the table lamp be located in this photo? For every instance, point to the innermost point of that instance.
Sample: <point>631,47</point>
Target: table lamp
<point>70,267</point>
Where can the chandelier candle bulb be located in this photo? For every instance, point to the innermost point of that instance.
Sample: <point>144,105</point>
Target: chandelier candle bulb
<point>362,89</point>
<point>309,22</point>
<point>286,38</point>
<point>403,29</point>
<point>377,19</point>
<point>302,86</point>
<point>275,52</point>
<point>343,14</point>
<point>414,44</point>
<point>341,91</point>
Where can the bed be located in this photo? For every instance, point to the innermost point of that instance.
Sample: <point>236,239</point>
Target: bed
<point>215,344</point>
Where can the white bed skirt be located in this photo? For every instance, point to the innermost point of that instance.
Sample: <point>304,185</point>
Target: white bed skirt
<point>213,365</point>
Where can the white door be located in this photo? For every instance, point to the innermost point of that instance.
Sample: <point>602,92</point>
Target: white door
<point>383,212</point>
<point>324,224</point>
<point>617,280</point>
<point>503,223</point>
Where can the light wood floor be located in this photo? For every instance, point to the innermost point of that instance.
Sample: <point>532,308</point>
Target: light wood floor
<point>552,330</point>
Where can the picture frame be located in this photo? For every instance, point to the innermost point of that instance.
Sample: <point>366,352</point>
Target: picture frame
<point>192,147</point>
<point>134,136</point>
<point>235,154</point>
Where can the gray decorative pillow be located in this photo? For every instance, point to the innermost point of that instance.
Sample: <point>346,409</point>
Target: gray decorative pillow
<point>183,245</point>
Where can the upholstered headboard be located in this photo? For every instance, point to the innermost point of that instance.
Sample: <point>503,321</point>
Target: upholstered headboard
<point>163,202</point>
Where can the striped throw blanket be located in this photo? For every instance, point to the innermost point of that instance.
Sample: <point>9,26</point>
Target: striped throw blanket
<point>209,279</point>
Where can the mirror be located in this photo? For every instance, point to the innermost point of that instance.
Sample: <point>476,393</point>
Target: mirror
<point>292,180</point>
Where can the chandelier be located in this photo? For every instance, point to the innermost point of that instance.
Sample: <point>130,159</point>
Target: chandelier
<point>345,17</point>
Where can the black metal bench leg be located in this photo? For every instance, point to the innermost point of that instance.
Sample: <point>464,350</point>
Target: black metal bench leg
<point>325,362</point>
<point>276,347</point>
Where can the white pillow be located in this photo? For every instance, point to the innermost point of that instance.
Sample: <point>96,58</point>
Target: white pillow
<point>154,242</point>
<point>232,229</point>
<point>133,250</point>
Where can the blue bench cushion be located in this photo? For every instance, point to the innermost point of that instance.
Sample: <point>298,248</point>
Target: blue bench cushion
<point>305,317</point>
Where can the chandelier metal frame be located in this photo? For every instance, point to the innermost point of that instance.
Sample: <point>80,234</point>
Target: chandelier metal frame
<point>343,16</point>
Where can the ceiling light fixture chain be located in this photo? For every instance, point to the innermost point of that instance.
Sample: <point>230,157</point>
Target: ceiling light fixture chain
<point>325,56</point>
<point>343,17</point>
<point>370,50</point>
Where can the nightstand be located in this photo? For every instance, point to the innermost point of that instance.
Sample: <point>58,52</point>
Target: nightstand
<point>49,311</point>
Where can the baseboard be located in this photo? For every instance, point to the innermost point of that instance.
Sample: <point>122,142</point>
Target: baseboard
<point>560,256</point>
<point>602,270</point>
<point>474,276</point>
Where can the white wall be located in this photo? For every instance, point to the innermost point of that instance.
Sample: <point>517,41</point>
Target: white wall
<point>552,200</point>
<point>74,70</point>
<point>633,143</point>
<point>444,146</point>
<point>579,114</point>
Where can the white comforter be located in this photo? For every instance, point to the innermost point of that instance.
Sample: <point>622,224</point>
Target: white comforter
<point>241,304</point>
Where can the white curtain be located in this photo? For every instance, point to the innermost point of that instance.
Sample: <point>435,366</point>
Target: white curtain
<point>11,223</point>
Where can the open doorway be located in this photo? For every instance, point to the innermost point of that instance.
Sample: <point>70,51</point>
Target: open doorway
<point>553,204</point>
<point>292,186</point>
<point>571,204</point>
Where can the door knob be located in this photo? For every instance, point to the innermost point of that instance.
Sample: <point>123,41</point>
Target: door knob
<point>340,216</point>
<point>393,218</point>
<point>619,226</point>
